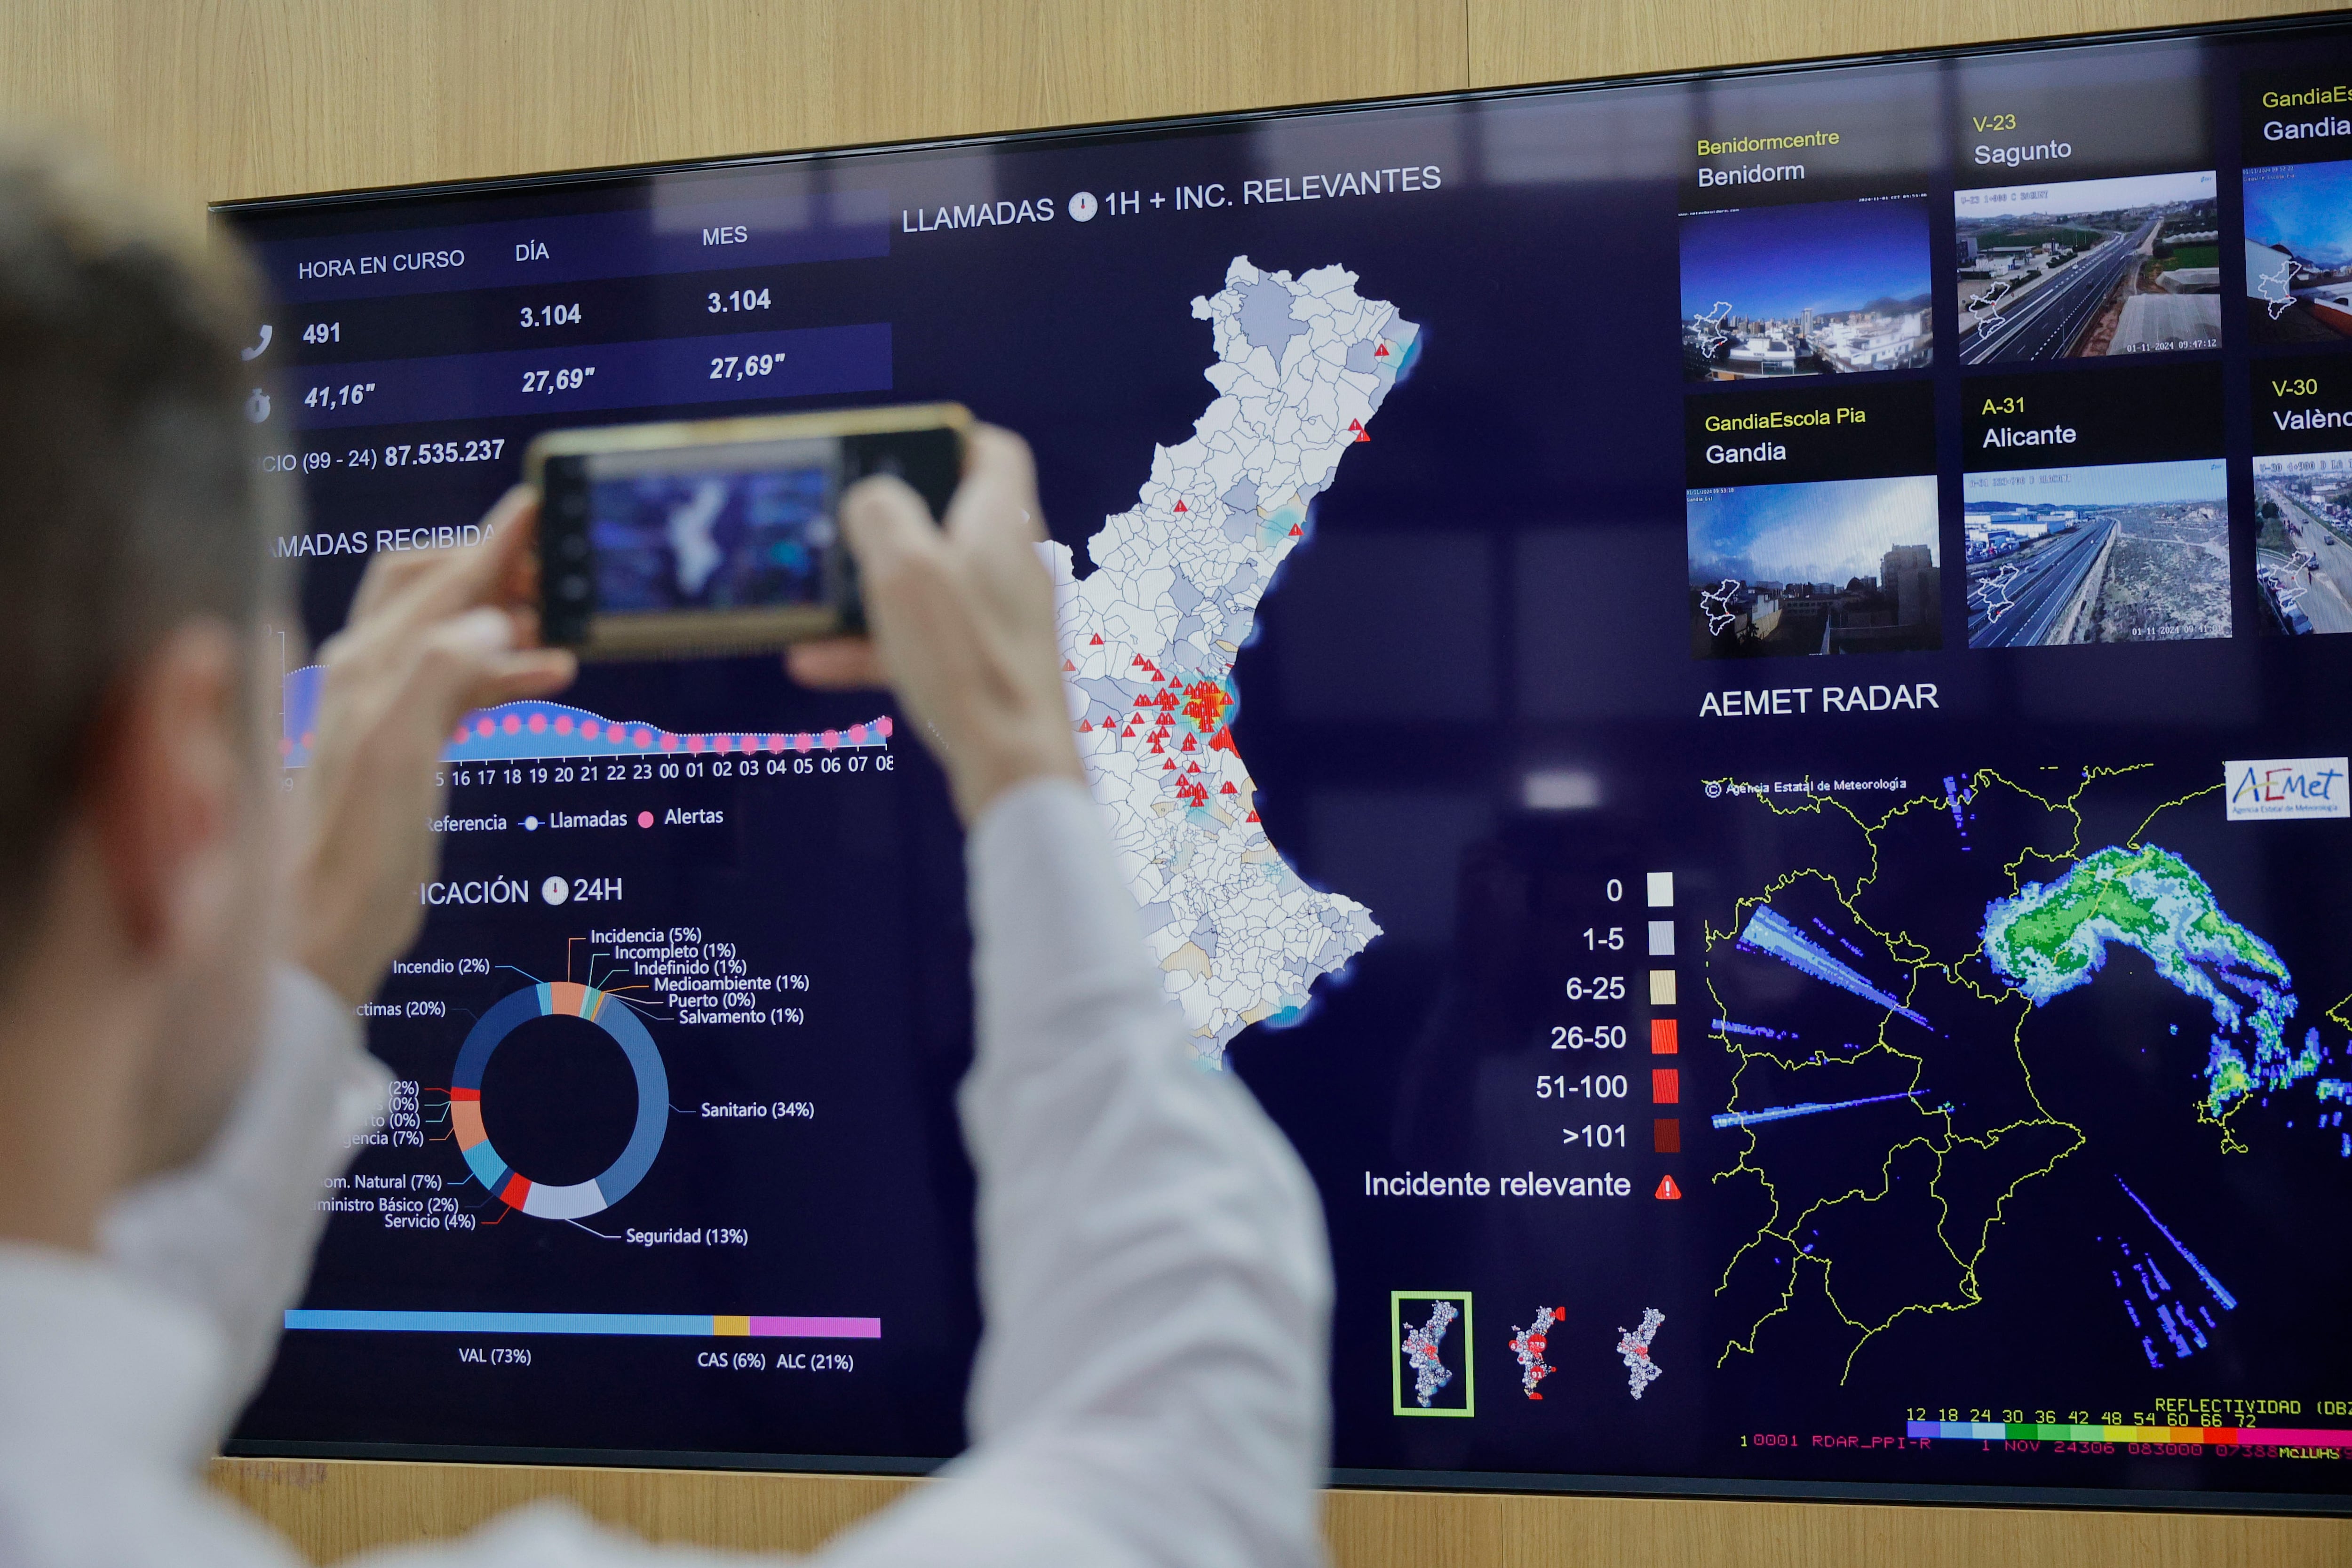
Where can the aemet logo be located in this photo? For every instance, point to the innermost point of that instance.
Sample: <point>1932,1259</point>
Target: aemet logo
<point>2287,786</point>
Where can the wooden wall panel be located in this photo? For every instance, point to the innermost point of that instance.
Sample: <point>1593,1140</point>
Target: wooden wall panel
<point>1551,40</point>
<point>336,1509</point>
<point>232,98</point>
<point>240,97</point>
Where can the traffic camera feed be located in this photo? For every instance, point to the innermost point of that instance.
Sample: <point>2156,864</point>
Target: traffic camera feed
<point>1766,868</point>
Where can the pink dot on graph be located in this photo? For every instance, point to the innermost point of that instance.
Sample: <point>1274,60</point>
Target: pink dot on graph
<point>590,729</point>
<point>563,723</point>
<point>539,723</point>
<point>643,737</point>
<point>481,726</point>
<point>669,743</point>
<point>511,724</point>
<point>832,739</point>
<point>882,726</point>
<point>644,820</point>
<point>804,741</point>
<point>694,743</point>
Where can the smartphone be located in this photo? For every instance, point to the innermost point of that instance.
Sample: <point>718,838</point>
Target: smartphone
<point>719,535</point>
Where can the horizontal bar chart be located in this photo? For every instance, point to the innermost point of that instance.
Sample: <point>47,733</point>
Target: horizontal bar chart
<point>2207,1436</point>
<point>673,1325</point>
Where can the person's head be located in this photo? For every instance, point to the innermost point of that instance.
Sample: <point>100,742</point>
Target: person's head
<point>134,790</point>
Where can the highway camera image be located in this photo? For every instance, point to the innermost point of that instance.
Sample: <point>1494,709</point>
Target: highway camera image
<point>1838,566</point>
<point>2303,556</point>
<point>2299,253</point>
<point>2127,553</point>
<point>2083,268</point>
<point>1818,289</point>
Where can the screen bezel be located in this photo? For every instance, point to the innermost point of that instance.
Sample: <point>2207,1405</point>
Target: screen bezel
<point>1103,132</point>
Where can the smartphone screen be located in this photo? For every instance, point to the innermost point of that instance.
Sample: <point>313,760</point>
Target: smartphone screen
<point>713,528</point>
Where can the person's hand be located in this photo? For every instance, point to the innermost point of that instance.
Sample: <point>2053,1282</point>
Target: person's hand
<point>962,623</point>
<point>431,635</point>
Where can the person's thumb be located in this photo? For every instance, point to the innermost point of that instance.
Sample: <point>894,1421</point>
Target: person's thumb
<point>887,525</point>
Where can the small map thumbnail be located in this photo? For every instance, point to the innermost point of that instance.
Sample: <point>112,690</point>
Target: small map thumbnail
<point>1633,1349</point>
<point>2303,554</point>
<point>2081,268</point>
<point>2299,253</point>
<point>1835,566</point>
<point>1528,1345</point>
<point>2123,552</point>
<point>1430,1368</point>
<point>1817,289</point>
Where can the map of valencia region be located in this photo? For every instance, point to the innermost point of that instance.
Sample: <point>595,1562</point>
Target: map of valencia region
<point>1150,635</point>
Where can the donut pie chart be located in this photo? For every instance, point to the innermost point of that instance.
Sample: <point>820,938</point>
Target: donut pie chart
<point>513,1188</point>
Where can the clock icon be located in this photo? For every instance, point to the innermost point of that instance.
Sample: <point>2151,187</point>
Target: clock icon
<point>1082,207</point>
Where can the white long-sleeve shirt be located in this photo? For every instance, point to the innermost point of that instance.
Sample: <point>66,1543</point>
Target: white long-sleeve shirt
<point>1149,1388</point>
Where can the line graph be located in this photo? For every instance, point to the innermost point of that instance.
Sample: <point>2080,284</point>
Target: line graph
<point>537,730</point>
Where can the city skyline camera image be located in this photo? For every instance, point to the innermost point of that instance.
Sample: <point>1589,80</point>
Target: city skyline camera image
<point>2084,268</point>
<point>2299,253</point>
<point>2121,552</point>
<point>2303,550</point>
<point>1830,566</point>
<point>1815,289</point>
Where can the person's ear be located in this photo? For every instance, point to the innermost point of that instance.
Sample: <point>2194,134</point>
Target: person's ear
<point>166,785</point>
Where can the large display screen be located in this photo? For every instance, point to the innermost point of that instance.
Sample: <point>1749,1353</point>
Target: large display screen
<point>1720,691</point>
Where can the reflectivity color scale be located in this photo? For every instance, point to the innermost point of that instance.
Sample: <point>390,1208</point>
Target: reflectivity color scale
<point>535,732</point>
<point>2207,1436</point>
<point>512,1187</point>
<point>675,1325</point>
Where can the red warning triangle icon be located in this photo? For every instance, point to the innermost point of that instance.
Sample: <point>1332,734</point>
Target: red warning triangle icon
<point>1666,1188</point>
<point>1381,351</point>
<point>1097,641</point>
<point>1181,507</point>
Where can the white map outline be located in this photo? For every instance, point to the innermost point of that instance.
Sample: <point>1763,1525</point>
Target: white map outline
<point>1715,604</point>
<point>1984,309</point>
<point>1710,328</point>
<point>1150,635</point>
<point>2277,289</point>
<point>1993,593</point>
